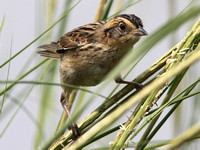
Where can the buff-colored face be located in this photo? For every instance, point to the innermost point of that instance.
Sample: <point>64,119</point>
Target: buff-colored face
<point>123,28</point>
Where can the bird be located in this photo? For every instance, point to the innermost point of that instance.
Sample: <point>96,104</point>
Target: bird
<point>89,52</point>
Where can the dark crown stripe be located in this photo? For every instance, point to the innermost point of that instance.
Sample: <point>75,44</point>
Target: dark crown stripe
<point>132,18</point>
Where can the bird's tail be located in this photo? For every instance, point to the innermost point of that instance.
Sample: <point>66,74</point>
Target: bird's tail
<point>49,50</point>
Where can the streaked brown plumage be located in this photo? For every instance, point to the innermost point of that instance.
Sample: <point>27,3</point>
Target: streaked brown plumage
<point>89,52</point>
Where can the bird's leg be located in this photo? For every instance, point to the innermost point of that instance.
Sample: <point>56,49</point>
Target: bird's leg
<point>64,101</point>
<point>137,85</point>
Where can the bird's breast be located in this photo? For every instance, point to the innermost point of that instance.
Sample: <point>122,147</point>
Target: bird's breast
<point>89,67</point>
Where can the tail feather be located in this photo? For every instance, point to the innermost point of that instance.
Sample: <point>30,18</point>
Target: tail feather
<point>49,50</point>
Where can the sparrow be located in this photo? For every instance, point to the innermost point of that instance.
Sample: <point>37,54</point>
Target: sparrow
<point>88,53</point>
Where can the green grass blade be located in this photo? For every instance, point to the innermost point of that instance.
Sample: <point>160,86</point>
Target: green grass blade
<point>39,35</point>
<point>2,103</point>
<point>107,10</point>
<point>21,77</point>
<point>64,21</point>
<point>125,7</point>
<point>13,116</point>
<point>25,109</point>
<point>2,23</point>
<point>52,84</point>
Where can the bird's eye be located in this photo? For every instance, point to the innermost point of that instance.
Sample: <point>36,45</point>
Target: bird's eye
<point>122,26</point>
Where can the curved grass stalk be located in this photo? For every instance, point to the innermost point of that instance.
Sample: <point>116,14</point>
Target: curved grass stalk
<point>51,84</point>
<point>21,77</point>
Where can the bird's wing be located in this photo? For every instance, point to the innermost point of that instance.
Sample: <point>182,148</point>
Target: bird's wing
<point>68,42</point>
<point>79,37</point>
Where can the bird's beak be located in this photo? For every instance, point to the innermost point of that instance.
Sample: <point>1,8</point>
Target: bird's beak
<point>140,32</point>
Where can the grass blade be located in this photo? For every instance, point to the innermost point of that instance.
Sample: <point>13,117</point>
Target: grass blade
<point>39,35</point>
